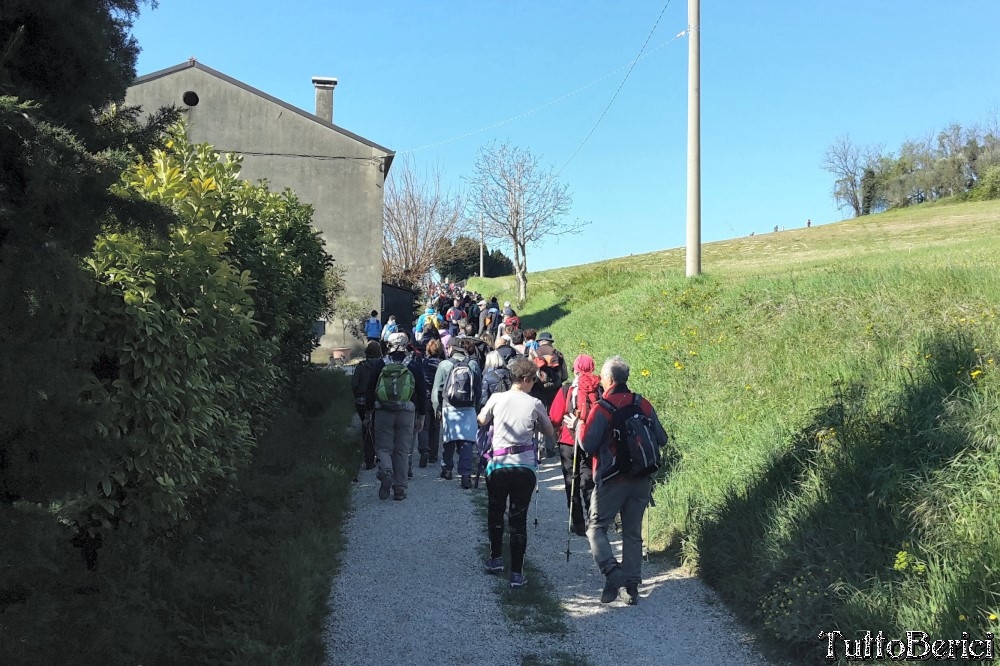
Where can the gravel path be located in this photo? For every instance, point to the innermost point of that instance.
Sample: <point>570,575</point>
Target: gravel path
<point>411,590</point>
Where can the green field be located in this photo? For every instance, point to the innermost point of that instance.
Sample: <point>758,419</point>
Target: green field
<point>832,394</point>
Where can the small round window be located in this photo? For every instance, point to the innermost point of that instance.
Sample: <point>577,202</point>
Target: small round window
<point>190,98</point>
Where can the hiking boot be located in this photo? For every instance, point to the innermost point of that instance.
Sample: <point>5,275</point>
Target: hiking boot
<point>399,494</point>
<point>424,459</point>
<point>466,482</point>
<point>613,586</point>
<point>580,530</point>
<point>517,581</point>
<point>494,565</point>
<point>409,472</point>
<point>384,486</point>
<point>432,460</point>
<point>632,592</point>
<point>446,474</point>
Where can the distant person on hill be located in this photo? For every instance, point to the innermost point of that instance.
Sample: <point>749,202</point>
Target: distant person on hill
<point>809,223</point>
<point>511,473</point>
<point>615,492</point>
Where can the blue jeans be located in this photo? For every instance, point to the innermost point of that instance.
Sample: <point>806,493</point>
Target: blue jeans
<point>464,456</point>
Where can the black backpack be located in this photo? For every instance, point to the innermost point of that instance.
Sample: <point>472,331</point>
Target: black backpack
<point>637,453</point>
<point>459,387</point>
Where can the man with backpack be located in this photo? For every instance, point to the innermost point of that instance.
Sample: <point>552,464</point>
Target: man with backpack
<point>364,374</point>
<point>624,436</point>
<point>399,398</point>
<point>458,385</point>
<point>570,408</point>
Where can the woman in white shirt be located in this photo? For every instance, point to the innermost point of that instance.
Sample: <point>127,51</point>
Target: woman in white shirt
<point>511,472</point>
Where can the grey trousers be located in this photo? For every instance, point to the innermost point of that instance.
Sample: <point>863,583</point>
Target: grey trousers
<point>628,497</point>
<point>393,439</point>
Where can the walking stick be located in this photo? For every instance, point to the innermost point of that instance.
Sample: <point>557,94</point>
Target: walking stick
<point>572,496</point>
<point>645,542</point>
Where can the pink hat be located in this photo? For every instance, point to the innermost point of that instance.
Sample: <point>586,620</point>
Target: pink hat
<point>583,364</point>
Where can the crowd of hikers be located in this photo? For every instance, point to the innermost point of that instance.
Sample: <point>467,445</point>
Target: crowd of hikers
<point>470,390</point>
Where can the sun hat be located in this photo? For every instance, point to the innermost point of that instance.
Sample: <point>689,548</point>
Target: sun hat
<point>397,341</point>
<point>544,335</point>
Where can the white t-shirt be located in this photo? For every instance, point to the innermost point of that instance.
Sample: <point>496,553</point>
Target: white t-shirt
<point>516,417</point>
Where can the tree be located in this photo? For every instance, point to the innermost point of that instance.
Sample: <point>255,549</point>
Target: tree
<point>459,260</point>
<point>418,217</point>
<point>848,161</point>
<point>497,264</point>
<point>520,204</point>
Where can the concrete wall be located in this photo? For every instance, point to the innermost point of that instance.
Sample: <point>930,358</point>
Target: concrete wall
<point>341,176</point>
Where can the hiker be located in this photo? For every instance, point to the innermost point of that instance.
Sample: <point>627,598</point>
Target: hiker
<point>481,306</point>
<point>373,327</point>
<point>458,384</point>
<point>390,327</point>
<point>454,316</point>
<point>429,436</point>
<point>552,374</point>
<point>491,322</point>
<point>429,317</point>
<point>511,473</point>
<point>517,342</point>
<point>616,491</point>
<point>364,374</point>
<point>400,398</point>
<point>507,353</point>
<point>530,343</point>
<point>570,409</point>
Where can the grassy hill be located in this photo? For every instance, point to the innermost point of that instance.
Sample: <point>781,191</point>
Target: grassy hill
<point>833,397</point>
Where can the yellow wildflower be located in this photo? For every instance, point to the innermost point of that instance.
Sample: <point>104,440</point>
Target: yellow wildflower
<point>975,373</point>
<point>646,373</point>
<point>678,365</point>
<point>961,618</point>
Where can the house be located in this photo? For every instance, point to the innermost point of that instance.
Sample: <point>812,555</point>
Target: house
<point>338,172</point>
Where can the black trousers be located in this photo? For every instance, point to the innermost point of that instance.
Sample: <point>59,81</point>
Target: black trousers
<point>517,485</point>
<point>578,497</point>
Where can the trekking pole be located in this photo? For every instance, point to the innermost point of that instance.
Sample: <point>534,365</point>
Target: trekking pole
<point>645,542</point>
<point>572,496</point>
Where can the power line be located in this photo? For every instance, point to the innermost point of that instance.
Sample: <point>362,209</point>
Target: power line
<point>540,107</point>
<point>621,85</point>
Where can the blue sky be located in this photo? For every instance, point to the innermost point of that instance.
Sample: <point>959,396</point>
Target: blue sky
<point>780,81</point>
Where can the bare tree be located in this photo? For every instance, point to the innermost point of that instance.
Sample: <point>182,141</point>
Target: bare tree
<point>849,161</point>
<point>418,216</point>
<point>519,203</point>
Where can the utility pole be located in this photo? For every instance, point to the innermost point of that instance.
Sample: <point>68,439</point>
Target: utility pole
<point>482,243</point>
<point>694,140</point>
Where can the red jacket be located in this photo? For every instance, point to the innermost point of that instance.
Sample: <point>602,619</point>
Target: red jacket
<point>588,386</point>
<point>597,438</point>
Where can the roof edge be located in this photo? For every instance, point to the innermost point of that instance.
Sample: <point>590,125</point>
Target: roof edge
<point>192,63</point>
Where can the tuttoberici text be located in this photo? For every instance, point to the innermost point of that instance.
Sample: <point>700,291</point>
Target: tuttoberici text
<point>917,646</point>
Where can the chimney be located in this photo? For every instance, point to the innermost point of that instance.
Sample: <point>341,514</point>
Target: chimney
<point>324,96</point>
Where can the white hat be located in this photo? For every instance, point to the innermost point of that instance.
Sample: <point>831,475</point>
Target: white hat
<point>397,341</point>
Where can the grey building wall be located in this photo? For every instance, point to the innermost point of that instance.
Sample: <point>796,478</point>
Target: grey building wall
<point>339,173</point>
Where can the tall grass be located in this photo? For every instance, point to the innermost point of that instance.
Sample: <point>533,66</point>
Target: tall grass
<point>832,394</point>
<point>245,582</point>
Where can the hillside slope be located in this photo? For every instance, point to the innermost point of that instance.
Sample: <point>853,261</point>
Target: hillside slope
<point>832,393</point>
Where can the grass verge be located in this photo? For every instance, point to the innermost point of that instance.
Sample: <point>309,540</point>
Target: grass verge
<point>833,396</point>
